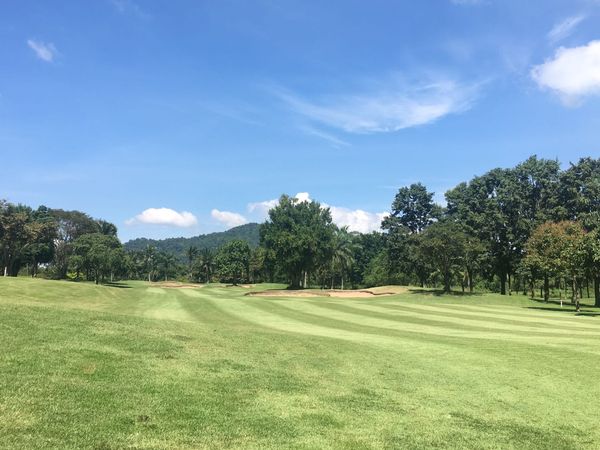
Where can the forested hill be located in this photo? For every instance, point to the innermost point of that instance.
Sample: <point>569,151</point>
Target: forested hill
<point>178,246</point>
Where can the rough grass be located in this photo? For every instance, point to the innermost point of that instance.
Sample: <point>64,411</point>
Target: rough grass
<point>139,366</point>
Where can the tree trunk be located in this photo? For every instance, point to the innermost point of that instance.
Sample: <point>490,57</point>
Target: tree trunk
<point>305,278</point>
<point>446,282</point>
<point>342,282</point>
<point>576,294</point>
<point>503,283</point>
<point>587,287</point>
<point>509,284</point>
<point>149,277</point>
<point>470,281</point>
<point>532,287</point>
<point>546,288</point>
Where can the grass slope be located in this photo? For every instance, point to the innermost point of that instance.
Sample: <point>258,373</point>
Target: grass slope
<point>140,366</point>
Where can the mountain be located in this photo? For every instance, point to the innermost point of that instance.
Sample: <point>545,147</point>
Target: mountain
<point>178,246</point>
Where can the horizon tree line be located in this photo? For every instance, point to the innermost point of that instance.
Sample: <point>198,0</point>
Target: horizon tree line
<point>518,229</point>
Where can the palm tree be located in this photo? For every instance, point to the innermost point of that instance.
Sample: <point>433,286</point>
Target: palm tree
<point>207,262</point>
<point>342,258</point>
<point>167,262</point>
<point>149,259</point>
<point>192,253</point>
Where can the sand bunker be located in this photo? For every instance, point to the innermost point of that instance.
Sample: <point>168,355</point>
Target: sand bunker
<point>362,293</point>
<point>177,285</point>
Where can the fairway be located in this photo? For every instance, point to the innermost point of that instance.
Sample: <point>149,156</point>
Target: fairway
<point>135,365</point>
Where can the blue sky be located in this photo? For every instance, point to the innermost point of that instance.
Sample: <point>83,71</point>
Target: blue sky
<point>186,117</point>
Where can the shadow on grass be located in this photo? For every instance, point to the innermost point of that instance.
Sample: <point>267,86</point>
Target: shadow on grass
<point>570,309</point>
<point>584,303</point>
<point>440,292</point>
<point>116,284</point>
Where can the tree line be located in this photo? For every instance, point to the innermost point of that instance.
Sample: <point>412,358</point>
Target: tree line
<point>531,228</point>
<point>507,230</point>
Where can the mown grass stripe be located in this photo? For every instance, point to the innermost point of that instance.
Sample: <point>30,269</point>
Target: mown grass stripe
<point>446,321</point>
<point>487,317</point>
<point>564,315</point>
<point>443,330</point>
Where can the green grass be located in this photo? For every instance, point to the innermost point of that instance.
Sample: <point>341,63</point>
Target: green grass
<point>101,367</point>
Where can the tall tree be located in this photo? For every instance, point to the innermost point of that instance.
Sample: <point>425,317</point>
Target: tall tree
<point>192,254</point>
<point>443,244</point>
<point>94,251</point>
<point>233,261</point>
<point>413,208</point>
<point>343,254</point>
<point>299,235</point>
<point>544,252</point>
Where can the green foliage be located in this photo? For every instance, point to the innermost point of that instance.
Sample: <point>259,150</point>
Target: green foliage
<point>413,209</point>
<point>299,235</point>
<point>233,261</point>
<point>443,244</point>
<point>97,255</point>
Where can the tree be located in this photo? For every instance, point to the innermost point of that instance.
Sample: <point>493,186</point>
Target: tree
<point>544,252</point>
<point>192,254</point>
<point>70,226</point>
<point>342,256</point>
<point>443,244</point>
<point>204,265</point>
<point>412,208</point>
<point>166,264</point>
<point>299,236</point>
<point>94,252</point>
<point>574,257</point>
<point>26,237</point>
<point>233,261</point>
<point>150,261</point>
<point>592,243</point>
<point>257,264</point>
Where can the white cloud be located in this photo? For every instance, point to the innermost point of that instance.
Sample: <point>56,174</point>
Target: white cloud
<point>262,208</point>
<point>573,73</point>
<point>563,29</point>
<point>355,219</point>
<point>393,107</point>
<point>45,51</point>
<point>303,197</point>
<point>164,216</point>
<point>227,218</point>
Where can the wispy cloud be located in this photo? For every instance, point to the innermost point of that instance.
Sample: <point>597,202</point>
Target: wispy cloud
<point>573,73</point>
<point>46,51</point>
<point>564,28</point>
<point>228,218</point>
<point>129,7</point>
<point>164,216</point>
<point>385,107</point>
<point>333,140</point>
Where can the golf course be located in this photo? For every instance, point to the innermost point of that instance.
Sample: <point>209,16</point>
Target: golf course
<point>153,365</point>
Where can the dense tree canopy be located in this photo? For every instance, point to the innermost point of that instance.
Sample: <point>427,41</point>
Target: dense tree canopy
<point>300,236</point>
